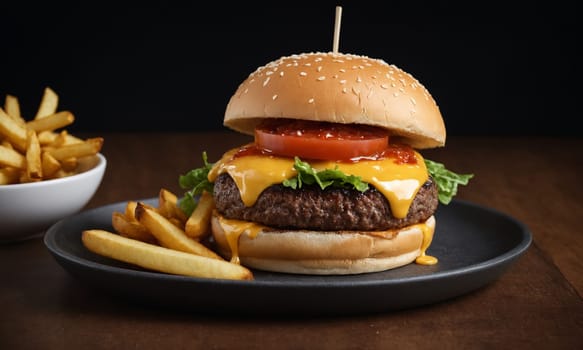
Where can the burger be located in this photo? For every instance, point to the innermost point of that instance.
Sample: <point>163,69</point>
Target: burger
<point>333,182</point>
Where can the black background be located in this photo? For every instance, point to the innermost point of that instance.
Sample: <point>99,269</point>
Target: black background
<point>494,68</point>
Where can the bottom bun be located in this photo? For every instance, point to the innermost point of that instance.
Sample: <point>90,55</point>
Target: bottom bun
<point>319,252</point>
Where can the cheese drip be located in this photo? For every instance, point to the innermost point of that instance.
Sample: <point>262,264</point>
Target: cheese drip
<point>235,228</point>
<point>423,258</point>
<point>399,183</point>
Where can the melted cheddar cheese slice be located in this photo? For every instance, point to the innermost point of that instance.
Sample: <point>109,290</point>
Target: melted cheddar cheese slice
<point>399,183</point>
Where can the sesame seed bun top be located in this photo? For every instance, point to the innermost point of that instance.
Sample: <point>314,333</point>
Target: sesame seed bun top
<point>338,88</point>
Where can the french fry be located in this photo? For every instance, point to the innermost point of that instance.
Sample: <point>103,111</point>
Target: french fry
<point>165,200</point>
<point>69,164</point>
<point>12,131</point>
<point>51,122</point>
<point>161,259</point>
<point>48,104</point>
<point>33,157</point>
<point>55,140</point>
<point>61,139</point>
<point>197,225</point>
<point>47,137</point>
<point>168,206</point>
<point>131,229</point>
<point>9,175</point>
<point>89,147</point>
<point>130,211</point>
<point>168,234</point>
<point>62,173</point>
<point>23,178</point>
<point>12,108</point>
<point>50,165</point>
<point>11,158</point>
<point>68,138</point>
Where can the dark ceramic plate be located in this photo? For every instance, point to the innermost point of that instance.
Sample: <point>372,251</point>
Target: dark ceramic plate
<point>474,245</point>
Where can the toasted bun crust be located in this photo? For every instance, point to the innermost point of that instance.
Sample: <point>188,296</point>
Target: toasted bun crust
<point>323,253</point>
<point>339,88</point>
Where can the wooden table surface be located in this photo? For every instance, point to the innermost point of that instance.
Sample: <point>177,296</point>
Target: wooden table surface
<point>536,303</point>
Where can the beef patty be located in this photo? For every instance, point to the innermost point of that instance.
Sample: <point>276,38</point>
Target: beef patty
<point>331,209</point>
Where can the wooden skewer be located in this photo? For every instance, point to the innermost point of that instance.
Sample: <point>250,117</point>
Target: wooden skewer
<point>337,29</point>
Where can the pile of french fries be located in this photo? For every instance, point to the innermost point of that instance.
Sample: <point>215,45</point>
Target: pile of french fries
<point>40,149</point>
<point>163,239</point>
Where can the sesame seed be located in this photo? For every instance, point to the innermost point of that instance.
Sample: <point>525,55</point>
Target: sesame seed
<point>335,76</point>
<point>321,78</point>
<point>303,74</point>
<point>266,81</point>
<point>413,101</point>
<point>395,94</point>
<point>384,86</point>
<point>246,91</point>
<point>281,74</point>
<point>319,69</point>
<point>343,70</point>
<point>307,64</point>
<point>269,72</point>
<point>311,100</point>
<point>344,90</point>
<point>343,81</point>
<point>274,97</point>
<point>358,79</point>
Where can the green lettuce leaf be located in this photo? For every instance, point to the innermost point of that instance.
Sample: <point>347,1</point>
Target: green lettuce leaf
<point>324,178</point>
<point>195,181</point>
<point>447,181</point>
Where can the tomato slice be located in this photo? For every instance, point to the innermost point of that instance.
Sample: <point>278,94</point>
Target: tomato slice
<point>320,140</point>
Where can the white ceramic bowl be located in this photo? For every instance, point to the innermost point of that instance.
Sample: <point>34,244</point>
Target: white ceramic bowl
<point>28,209</point>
